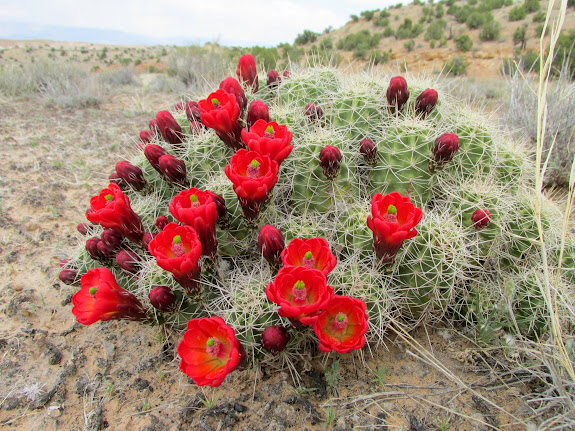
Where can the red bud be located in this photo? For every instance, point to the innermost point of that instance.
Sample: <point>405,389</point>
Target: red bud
<point>273,79</point>
<point>128,261</point>
<point>397,93</point>
<point>271,243</point>
<point>163,298</point>
<point>313,112</point>
<point>480,219</point>
<point>330,161</point>
<point>220,205</point>
<point>146,239</point>
<point>232,86</point>
<point>68,276</point>
<point>275,339</point>
<point>146,136</point>
<point>153,153</point>
<point>174,169</point>
<point>169,128</point>
<point>131,174</point>
<point>161,222</point>
<point>258,111</point>
<point>83,228</point>
<point>445,148</point>
<point>111,238</point>
<point>369,151</point>
<point>193,111</point>
<point>426,101</point>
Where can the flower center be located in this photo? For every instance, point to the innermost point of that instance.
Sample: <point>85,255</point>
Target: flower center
<point>194,201</point>
<point>340,322</point>
<point>269,133</point>
<point>177,246</point>
<point>253,170</point>
<point>216,103</point>
<point>93,290</point>
<point>308,260</point>
<point>109,197</point>
<point>391,215</point>
<point>213,347</point>
<point>299,292</point>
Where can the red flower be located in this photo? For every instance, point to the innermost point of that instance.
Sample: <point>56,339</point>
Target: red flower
<point>220,111</point>
<point>300,292</point>
<point>254,176</point>
<point>480,218</point>
<point>198,209</point>
<point>341,325</point>
<point>426,101</point>
<point>111,209</point>
<point>311,253</point>
<point>271,244</point>
<point>169,128</point>
<point>100,298</point>
<point>177,249</point>
<point>209,351</point>
<point>247,72</point>
<point>232,86</point>
<point>393,220</point>
<point>258,111</point>
<point>397,93</point>
<point>270,139</point>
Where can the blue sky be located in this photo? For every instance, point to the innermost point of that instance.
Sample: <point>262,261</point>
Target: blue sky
<point>230,22</point>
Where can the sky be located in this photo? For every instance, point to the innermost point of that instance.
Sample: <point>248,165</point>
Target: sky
<point>229,22</point>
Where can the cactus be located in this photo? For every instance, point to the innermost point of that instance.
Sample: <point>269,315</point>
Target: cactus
<point>483,274</point>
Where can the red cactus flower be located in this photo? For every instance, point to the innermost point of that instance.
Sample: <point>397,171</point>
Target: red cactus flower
<point>330,161</point>
<point>131,174</point>
<point>209,351</point>
<point>271,244</point>
<point>162,298</point>
<point>313,112</point>
<point>270,139</point>
<point>68,276</point>
<point>220,111</point>
<point>100,298</point>
<point>393,221</point>
<point>273,79</point>
<point>153,153</point>
<point>232,86</point>
<point>173,169</point>
<point>368,150</point>
<point>193,111</point>
<point>253,176</point>
<point>341,325</point>
<point>426,101</point>
<point>397,93</point>
<point>247,72</point>
<point>169,128</point>
<point>258,111</point>
<point>177,249</point>
<point>197,208</point>
<point>444,148</point>
<point>111,209</point>
<point>146,136</point>
<point>311,253</point>
<point>275,339</point>
<point>480,218</point>
<point>300,292</point>
<point>128,261</point>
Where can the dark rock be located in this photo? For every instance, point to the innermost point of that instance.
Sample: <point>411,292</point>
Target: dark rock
<point>141,384</point>
<point>12,403</point>
<point>67,300</point>
<point>53,355</point>
<point>188,412</point>
<point>12,256</point>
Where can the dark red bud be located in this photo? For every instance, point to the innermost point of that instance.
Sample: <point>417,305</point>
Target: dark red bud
<point>397,93</point>
<point>273,79</point>
<point>153,153</point>
<point>162,298</point>
<point>275,339</point>
<point>146,136</point>
<point>247,72</point>
<point>68,276</point>
<point>128,261</point>
<point>369,151</point>
<point>146,239</point>
<point>169,128</point>
<point>131,174</point>
<point>180,106</point>
<point>445,147</point>
<point>64,262</point>
<point>193,111</point>
<point>162,221</point>
<point>111,238</point>
<point>105,251</point>
<point>481,219</point>
<point>232,86</point>
<point>92,248</point>
<point>83,228</point>
<point>271,243</point>
<point>330,161</point>
<point>258,111</point>
<point>286,73</point>
<point>153,125</point>
<point>313,112</point>
<point>116,179</point>
<point>426,101</point>
<point>196,127</point>
<point>173,169</point>
<point>220,205</point>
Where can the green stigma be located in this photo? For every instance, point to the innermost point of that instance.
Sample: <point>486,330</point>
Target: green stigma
<point>340,317</point>
<point>193,198</point>
<point>109,197</point>
<point>93,290</point>
<point>177,239</point>
<point>391,209</point>
<point>254,163</point>
<point>299,285</point>
<point>270,129</point>
<point>215,102</point>
<point>308,255</point>
<point>210,342</point>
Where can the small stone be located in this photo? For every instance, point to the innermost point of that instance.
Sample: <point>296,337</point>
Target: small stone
<point>53,355</point>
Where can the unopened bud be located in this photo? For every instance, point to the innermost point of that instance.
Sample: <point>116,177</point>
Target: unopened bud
<point>131,174</point>
<point>129,261</point>
<point>397,93</point>
<point>426,101</point>
<point>480,219</point>
<point>275,339</point>
<point>330,161</point>
<point>162,298</point>
<point>271,243</point>
<point>369,151</point>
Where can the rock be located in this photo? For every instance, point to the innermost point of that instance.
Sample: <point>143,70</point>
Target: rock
<point>12,403</point>
<point>52,353</point>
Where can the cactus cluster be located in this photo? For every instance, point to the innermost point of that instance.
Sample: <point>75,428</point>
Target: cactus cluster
<point>477,252</point>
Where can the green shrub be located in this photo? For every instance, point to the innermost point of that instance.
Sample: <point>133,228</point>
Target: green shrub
<point>306,37</point>
<point>488,5</point>
<point>388,31</point>
<point>478,19</point>
<point>367,14</point>
<point>291,52</point>
<point>384,14</point>
<point>361,41</point>
<point>378,57</point>
<point>462,13</point>
<point>564,53</point>
<point>490,31</point>
<point>439,11</point>
<point>456,66</point>
<point>409,45</point>
<point>381,22</point>
<point>539,17</point>
<point>407,30</point>
<point>354,18</point>
<point>463,43</point>
<point>520,36</point>
<point>531,6</point>
<point>539,30</point>
<point>435,30</point>
<point>326,43</point>
<point>517,13</point>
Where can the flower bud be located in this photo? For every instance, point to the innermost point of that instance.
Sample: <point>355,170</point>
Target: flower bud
<point>481,218</point>
<point>196,127</point>
<point>105,251</point>
<point>169,128</point>
<point>174,169</point>
<point>232,86</point>
<point>180,106</point>
<point>426,101</point>
<point>115,178</point>
<point>275,339</point>
<point>111,238</point>
<point>271,243</point>
<point>445,148</point>
<point>153,153</point>
<point>330,161</point>
<point>273,79</point>
<point>131,174</point>
<point>92,248</point>
<point>161,222</point>
<point>83,228</point>
<point>397,93</point>
<point>286,73</point>
<point>220,205</point>
<point>153,125</point>
<point>162,298</point>
<point>146,136</point>
<point>193,111</point>
<point>64,262</point>
<point>258,111</point>
<point>128,261</point>
<point>313,112</point>
<point>369,151</point>
<point>68,276</point>
<point>146,239</point>
<point>247,72</point>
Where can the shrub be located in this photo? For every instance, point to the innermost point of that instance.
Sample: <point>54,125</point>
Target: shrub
<point>439,11</point>
<point>456,66</point>
<point>488,5</point>
<point>384,14</point>
<point>539,17</point>
<point>520,36</point>
<point>435,30</point>
<point>118,77</point>
<point>463,43</point>
<point>478,19</point>
<point>306,37</point>
<point>361,41</point>
<point>490,31</point>
<point>367,14</point>
<point>354,18</point>
<point>388,31</point>
<point>381,22</point>
<point>517,13</point>
<point>409,45</point>
<point>407,30</point>
<point>378,57</point>
<point>531,6</point>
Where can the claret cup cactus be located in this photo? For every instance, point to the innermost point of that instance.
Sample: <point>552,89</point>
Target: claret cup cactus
<point>325,203</point>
